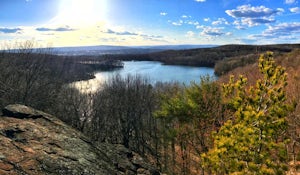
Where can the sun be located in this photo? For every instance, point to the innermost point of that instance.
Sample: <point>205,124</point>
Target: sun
<point>81,12</point>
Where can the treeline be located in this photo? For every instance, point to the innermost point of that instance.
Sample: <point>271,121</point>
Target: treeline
<point>224,66</point>
<point>210,57</point>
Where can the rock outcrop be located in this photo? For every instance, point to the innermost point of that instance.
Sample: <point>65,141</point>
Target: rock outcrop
<point>35,143</point>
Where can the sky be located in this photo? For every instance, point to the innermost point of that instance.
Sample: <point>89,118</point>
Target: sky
<point>149,22</point>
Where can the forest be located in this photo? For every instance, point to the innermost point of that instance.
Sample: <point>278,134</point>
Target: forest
<point>246,122</point>
<point>222,58</point>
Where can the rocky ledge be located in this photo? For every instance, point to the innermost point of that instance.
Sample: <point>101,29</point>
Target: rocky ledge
<point>35,143</point>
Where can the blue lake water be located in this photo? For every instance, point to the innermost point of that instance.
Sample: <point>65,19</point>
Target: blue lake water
<point>154,71</point>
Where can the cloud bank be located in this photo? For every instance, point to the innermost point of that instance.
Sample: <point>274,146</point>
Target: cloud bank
<point>10,30</point>
<point>59,29</point>
<point>247,15</point>
<point>109,31</point>
<point>247,11</point>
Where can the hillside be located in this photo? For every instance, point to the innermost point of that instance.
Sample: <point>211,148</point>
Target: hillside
<point>210,57</point>
<point>36,143</point>
<point>110,49</point>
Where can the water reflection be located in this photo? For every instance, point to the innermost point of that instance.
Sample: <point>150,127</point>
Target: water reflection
<point>90,86</point>
<point>155,71</point>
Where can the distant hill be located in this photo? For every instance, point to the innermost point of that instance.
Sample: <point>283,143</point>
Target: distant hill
<point>177,47</point>
<point>227,57</point>
<point>110,49</point>
<point>223,58</point>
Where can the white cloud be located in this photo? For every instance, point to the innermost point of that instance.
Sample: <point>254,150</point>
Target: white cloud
<point>178,23</point>
<point>280,10</point>
<point>247,15</point>
<point>195,23</point>
<point>228,33</point>
<point>247,11</point>
<point>206,19</point>
<point>290,1</point>
<point>163,13</point>
<point>266,38</point>
<point>240,27</point>
<point>200,27</point>
<point>211,31</point>
<point>10,30</point>
<point>184,16</point>
<point>256,21</point>
<point>200,0</point>
<point>283,32</point>
<point>190,34</point>
<point>284,29</point>
<point>56,29</point>
<point>216,23</point>
<point>110,31</point>
<point>295,10</point>
<point>220,21</point>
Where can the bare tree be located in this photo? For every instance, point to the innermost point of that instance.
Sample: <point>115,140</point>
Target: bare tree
<point>26,77</point>
<point>74,107</point>
<point>123,113</point>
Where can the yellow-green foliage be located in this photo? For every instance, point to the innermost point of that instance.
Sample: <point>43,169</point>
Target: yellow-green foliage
<point>193,101</point>
<point>252,142</point>
<point>190,115</point>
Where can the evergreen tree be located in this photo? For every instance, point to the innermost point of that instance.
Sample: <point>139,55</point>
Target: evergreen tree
<point>191,114</point>
<point>252,141</point>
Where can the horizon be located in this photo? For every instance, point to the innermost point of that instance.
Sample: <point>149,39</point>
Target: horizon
<point>142,46</point>
<point>76,23</point>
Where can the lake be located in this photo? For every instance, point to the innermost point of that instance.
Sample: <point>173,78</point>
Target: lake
<point>155,71</point>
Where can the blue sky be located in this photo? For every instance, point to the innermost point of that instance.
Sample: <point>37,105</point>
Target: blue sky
<point>149,22</point>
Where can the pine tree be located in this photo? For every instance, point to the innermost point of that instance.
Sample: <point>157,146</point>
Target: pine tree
<point>252,141</point>
<point>191,114</point>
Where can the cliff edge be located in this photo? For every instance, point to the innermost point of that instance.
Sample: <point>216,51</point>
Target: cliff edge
<point>35,143</point>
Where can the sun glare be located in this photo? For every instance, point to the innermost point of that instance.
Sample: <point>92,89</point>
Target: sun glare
<point>81,13</point>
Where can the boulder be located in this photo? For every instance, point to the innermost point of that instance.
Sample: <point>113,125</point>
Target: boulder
<point>21,111</point>
<point>35,143</point>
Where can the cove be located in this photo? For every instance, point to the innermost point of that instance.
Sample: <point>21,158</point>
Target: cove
<point>154,71</point>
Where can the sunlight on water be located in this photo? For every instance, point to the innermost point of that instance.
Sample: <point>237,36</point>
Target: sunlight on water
<point>90,86</point>
<point>155,71</point>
